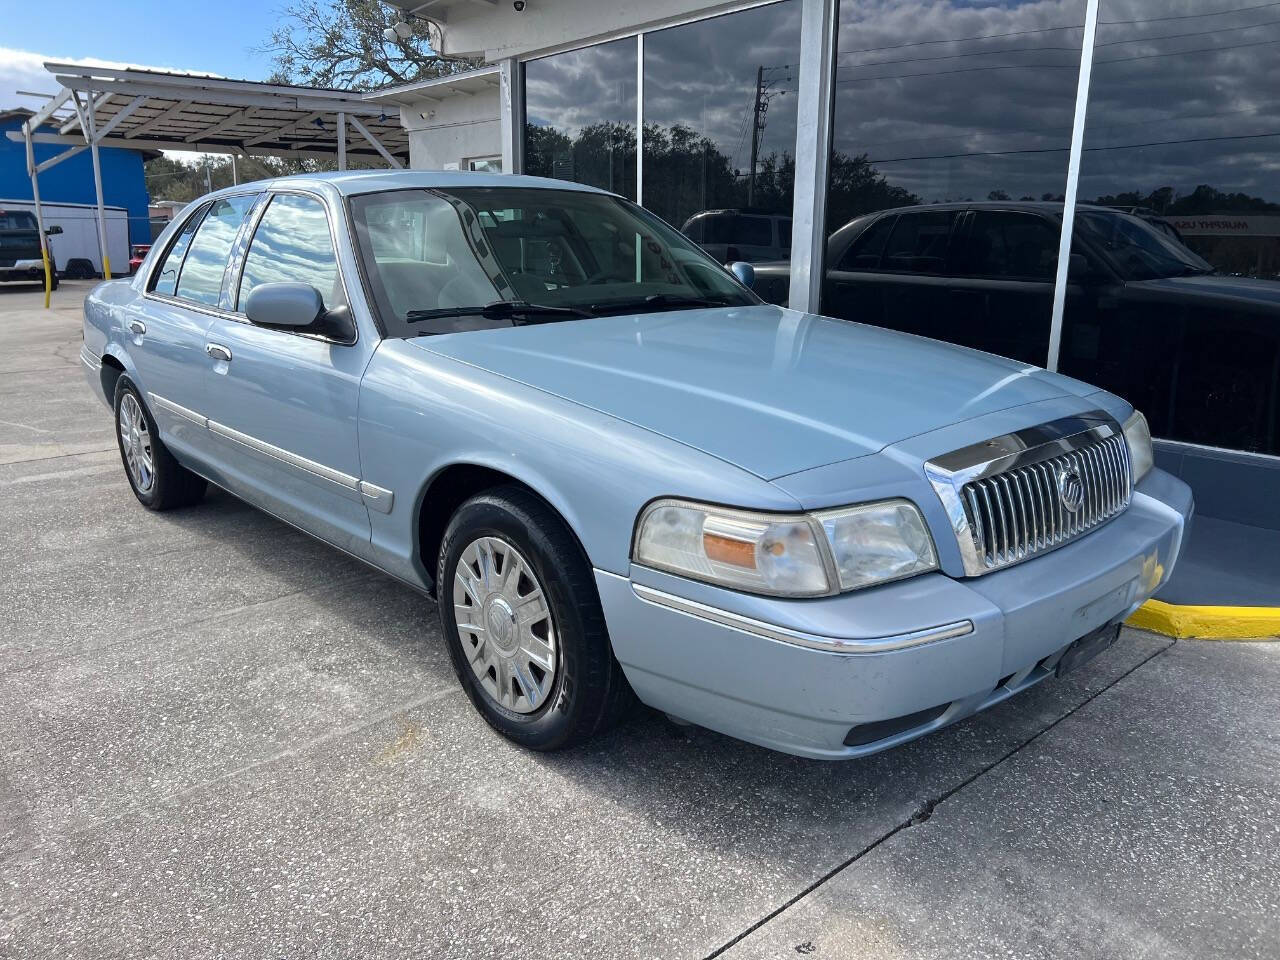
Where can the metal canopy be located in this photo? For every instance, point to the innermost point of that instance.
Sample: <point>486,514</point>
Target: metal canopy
<point>149,109</point>
<point>154,110</point>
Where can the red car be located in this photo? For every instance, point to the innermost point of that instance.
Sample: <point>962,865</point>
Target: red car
<point>137,253</point>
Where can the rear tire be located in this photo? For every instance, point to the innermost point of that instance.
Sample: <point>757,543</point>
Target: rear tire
<point>532,651</point>
<point>158,480</point>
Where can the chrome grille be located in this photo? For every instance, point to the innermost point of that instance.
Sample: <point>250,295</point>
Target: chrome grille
<point>1010,498</point>
<point>1021,512</point>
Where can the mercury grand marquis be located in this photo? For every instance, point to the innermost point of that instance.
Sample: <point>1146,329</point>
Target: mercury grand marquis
<point>620,474</point>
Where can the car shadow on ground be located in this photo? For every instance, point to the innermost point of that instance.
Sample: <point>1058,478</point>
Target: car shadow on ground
<point>715,790</point>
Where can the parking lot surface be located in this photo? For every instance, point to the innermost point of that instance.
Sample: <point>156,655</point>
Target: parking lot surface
<point>221,738</point>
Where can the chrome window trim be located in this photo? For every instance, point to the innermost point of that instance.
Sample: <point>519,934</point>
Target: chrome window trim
<point>239,250</point>
<point>949,473</point>
<point>240,255</point>
<point>857,646</point>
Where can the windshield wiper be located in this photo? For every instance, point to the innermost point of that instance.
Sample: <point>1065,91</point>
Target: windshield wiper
<point>499,310</point>
<point>659,301</point>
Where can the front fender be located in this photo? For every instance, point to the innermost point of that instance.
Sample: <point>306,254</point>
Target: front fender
<point>421,413</point>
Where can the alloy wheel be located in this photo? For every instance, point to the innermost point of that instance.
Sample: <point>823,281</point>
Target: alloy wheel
<point>135,439</point>
<point>504,624</point>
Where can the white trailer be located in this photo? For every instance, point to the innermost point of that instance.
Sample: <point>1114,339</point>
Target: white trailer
<point>79,237</point>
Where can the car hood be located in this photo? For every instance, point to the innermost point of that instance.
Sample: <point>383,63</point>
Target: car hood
<point>1263,293</point>
<point>771,390</point>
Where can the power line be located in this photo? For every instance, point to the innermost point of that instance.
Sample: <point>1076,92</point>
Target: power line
<point>1122,146</point>
<point>1191,16</point>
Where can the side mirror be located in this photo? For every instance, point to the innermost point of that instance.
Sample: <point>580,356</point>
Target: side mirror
<point>298,306</point>
<point>744,272</point>
<point>293,305</point>
<point>53,231</point>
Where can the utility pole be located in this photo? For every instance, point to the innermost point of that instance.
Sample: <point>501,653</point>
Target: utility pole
<point>757,125</point>
<point>208,182</point>
<point>766,77</point>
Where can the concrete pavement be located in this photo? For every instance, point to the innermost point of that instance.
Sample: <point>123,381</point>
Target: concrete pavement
<point>220,738</point>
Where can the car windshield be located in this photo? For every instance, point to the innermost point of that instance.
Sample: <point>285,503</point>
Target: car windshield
<point>1138,250</point>
<point>443,261</point>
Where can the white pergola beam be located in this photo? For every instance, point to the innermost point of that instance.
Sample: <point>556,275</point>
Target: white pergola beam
<point>121,115</point>
<point>226,124</point>
<point>148,125</point>
<point>45,112</point>
<point>57,158</point>
<point>93,106</point>
<point>269,100</point>
<point>376,143</point>
<point>280,131</point>
<point>247,151</point>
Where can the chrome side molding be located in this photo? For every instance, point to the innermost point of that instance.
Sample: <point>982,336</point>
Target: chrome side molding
<point>376,497</point>
<point>770,631</point>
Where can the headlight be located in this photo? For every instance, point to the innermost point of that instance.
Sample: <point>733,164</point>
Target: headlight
<point>1138,436</point>
<point>795,555</point>
<point>877,542</point>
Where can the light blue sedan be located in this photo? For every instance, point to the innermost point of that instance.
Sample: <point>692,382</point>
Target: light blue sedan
<point>618,472</point>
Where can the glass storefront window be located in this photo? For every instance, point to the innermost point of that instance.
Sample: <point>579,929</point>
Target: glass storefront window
<point>1176,302</point>
<point>580,116</point>
<point>951,133</point>
<point>720,130</point>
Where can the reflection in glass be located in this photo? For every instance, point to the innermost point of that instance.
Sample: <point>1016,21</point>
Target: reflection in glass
<point>962,104</point>
<point>201,276</point>
<point>720,130</point>
<point>1178,308</point>
<point>165,279</point>
<point>292,245</point>
<point>580,116</point>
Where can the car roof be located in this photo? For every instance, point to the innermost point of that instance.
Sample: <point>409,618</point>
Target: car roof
<point>352,182</point>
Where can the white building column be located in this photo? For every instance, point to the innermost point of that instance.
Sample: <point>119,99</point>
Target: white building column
<point>34,172</point>
<point>1073,181</point>
<point>818,27</point>
<point>511,115</point>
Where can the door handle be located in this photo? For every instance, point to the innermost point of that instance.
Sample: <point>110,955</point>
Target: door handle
<point>217,351</point>
<point>138,327</point>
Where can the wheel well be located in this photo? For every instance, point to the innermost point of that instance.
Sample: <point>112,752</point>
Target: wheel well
<point>448,490</point>
<point>111,370</point>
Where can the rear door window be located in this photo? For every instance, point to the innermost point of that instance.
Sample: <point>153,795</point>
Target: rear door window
<point>165,279</point>
<point>864,253</point>
<point>1008,244</point>
<point>200,279</point>
<point>919,241</point>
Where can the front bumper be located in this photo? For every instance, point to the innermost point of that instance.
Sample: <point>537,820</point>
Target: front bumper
<point>23,270</point>
<point>800,675</point>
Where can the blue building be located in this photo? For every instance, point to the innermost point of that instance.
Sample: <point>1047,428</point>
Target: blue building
<point>71,181</point>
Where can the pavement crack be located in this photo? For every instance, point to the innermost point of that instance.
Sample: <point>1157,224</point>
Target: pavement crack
<point>925,810</point>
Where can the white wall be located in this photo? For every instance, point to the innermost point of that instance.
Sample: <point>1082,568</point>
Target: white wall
<point>496,32</point>
<point>453,130</point>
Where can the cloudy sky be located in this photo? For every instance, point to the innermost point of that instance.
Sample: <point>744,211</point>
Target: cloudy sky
<point>702,75</point>
<point>164,35</point>
<point>956,99</point>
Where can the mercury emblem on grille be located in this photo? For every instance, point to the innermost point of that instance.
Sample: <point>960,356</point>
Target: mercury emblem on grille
<point>1071,488</point>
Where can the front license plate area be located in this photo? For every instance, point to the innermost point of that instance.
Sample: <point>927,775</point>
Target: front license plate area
<point>1088,647</point>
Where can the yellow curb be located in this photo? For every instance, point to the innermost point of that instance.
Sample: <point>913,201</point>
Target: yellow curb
<point>1215,623</point>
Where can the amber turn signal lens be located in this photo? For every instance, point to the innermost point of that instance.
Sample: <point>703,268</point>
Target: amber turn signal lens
<point>737,553</point>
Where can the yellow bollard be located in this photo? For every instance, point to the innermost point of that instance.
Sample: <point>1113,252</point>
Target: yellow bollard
<point>106,267</point>
<point>48,275</point>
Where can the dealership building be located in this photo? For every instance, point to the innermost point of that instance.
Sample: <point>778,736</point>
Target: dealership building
<point>948,139</point>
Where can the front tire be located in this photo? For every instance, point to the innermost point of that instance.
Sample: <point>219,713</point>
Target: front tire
<point>158,480</point>
<point>523,623</point>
